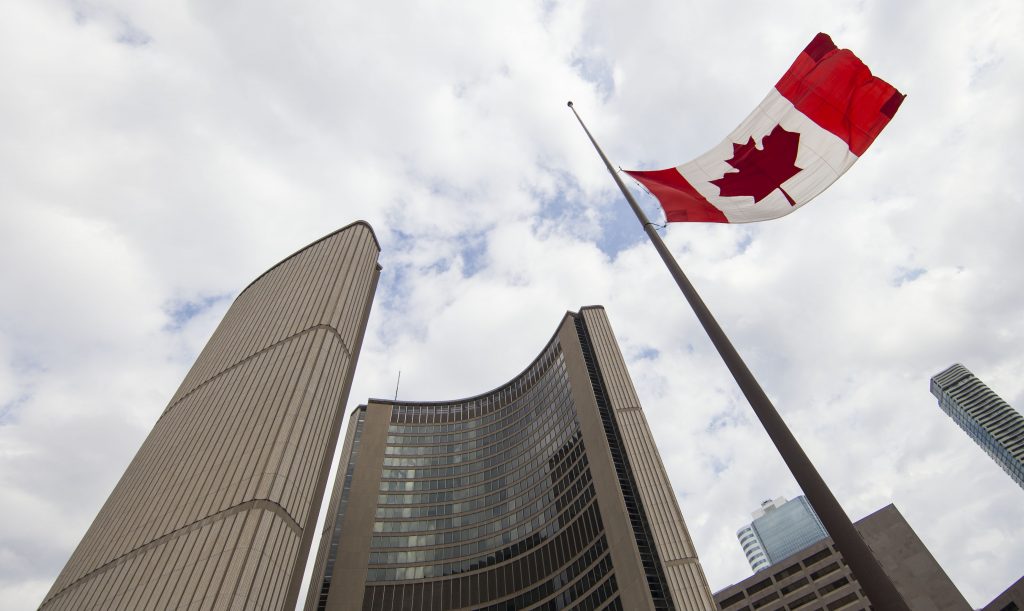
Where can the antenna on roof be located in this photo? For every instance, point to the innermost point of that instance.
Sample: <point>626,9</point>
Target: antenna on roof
<point>397,383</point>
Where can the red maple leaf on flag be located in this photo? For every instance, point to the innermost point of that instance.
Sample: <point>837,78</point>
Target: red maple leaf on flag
<point>761,171</point>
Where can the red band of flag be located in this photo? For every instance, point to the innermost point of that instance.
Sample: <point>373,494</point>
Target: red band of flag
<point>824,112</point>
<point>833,88</point>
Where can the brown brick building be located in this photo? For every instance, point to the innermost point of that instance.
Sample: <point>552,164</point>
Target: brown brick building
<point>817,576</point>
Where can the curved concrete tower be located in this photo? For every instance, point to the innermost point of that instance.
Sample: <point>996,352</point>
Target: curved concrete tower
<point>217,509</point>
<point>545,493</point>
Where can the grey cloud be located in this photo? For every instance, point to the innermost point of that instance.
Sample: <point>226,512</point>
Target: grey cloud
<point>146,178</point>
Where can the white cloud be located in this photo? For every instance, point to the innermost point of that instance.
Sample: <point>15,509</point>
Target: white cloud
<point>158,154</point>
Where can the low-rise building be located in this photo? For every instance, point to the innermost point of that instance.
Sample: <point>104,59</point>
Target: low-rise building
<point>817,576</point>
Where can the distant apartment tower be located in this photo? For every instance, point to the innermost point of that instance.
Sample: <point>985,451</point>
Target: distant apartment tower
<point>780,527</point>
<point>218,508</point>
<point>990,422</point>
<point>816,577</point>
<point>545,493</point>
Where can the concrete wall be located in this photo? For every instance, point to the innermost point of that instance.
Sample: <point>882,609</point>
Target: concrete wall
<point>217,508</point>
<point>1012,599</point>
<point>686,581</point>
<point>817,577</point>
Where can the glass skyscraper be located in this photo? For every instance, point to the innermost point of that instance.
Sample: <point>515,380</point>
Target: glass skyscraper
<point>986,418</point>
<point>545,493</point>
<point>780,528</point>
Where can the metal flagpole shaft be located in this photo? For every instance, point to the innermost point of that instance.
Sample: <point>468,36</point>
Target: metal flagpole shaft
<point>876,583</point>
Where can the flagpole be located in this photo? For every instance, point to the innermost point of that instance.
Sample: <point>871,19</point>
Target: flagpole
<point>865,567</point>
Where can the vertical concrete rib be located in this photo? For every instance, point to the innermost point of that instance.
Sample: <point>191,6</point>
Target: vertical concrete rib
<point>217,507</point>
<point>686,580</point>
<point>345,458</point>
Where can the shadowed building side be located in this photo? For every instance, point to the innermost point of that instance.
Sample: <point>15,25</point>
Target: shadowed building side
<point>817,577</point>
<point>217,508</point>
<point>545,493</point>
<point>645,472</point>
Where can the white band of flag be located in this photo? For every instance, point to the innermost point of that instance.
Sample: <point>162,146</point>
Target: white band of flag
<point>820,117</point>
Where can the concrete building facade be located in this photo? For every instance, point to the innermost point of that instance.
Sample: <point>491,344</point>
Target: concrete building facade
<point>817,576</point>
<point>779,529</point>
<point>218,507</point>
<point>1011,599</point>
<point>545,493</point>
<point>986,418</point>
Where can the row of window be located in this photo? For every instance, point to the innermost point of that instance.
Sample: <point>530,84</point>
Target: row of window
<point>475,428</point>
<point>490,467</point>
<point>442,416</point>
<point>551,420</point>
<point>604,592</point>
<point>482,470</point>
<point>455,593</point>
<point>566,597</point>
<point>518,500</point>
<point>439,482</point>
<point>803,600</point>
<point>560,580</point>
<point>411,456</point>
<point>426,445</point>
<point>510,570</point>
<point>502,523</point>
<point>522,480</point>
<point>545,525</point>
<point>783,587</point>
<point>538,456</point>
<point>500,472</point>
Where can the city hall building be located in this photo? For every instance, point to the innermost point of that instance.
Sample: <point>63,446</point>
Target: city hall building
<point>219,506</point>
<point>545,493</point>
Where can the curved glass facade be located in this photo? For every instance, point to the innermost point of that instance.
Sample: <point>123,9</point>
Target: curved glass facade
<point>545,493</point>
<point>492,500</point>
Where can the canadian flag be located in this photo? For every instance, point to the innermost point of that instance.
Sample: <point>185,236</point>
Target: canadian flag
<point>819,119</point>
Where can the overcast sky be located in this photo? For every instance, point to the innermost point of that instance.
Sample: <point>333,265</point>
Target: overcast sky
<point>157,156</point>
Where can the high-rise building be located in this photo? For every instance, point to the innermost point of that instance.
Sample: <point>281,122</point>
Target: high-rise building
<point>217,509</point>
<point>780,527</point>
<point>817,577</point>
<point>545,493</point>
<point>990,421</point>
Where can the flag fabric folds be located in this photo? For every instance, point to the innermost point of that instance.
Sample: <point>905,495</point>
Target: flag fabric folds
<point>817,121</point>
